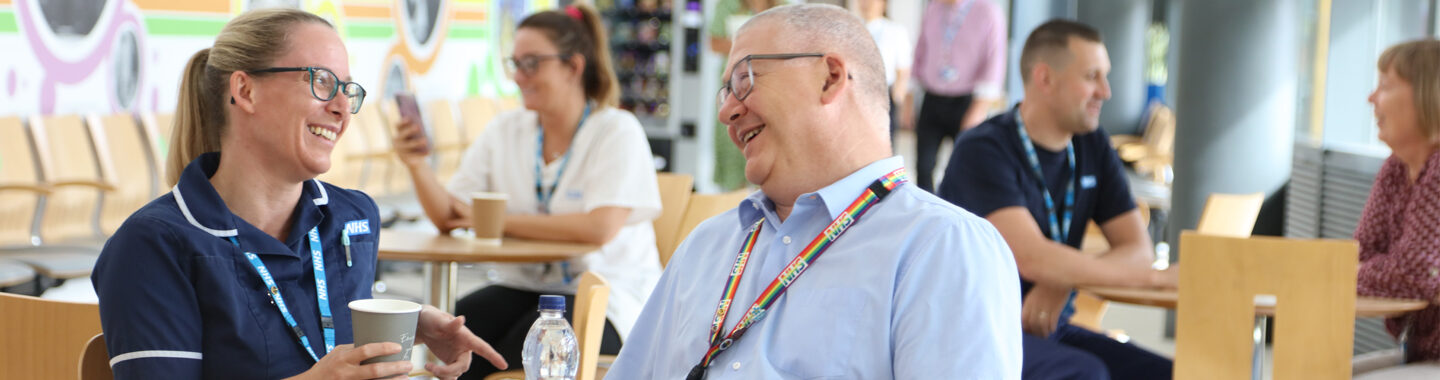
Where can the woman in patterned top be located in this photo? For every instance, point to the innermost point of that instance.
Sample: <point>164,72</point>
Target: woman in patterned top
<point>1399,243</point>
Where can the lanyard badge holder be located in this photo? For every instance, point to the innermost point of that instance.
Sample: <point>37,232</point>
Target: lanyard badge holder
<point>948,72</point>
<point>797,266</point>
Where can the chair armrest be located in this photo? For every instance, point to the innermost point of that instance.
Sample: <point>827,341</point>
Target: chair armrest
<point>1118,140</point>
<point>86,183</point>
<point>41,189</point>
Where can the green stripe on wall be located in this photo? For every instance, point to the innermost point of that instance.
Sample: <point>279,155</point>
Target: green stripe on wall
<point>369,30</point>
<point>188,26</point>
<point>7,22</point>
<point>469,32</point>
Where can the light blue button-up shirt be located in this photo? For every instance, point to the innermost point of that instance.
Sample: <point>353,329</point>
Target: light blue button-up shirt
<point>917,288</point>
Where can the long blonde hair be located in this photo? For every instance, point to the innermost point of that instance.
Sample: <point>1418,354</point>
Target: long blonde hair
<point>249,42</point>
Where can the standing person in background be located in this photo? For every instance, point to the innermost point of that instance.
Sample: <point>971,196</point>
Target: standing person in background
<point>183,283</point>
<point>896,51</point>
<point>1399,252</point>
<point>728,17</point>
<point>575,168</point>
<point>960,62</point>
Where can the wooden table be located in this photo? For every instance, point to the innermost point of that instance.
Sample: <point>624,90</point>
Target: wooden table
<point>1365,307</point>
<point>442,255</point>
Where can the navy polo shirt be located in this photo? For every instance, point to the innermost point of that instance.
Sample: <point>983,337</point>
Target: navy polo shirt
<point>989,171</point>
<point>178,300</point>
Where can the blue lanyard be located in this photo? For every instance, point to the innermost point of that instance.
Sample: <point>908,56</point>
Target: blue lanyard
<point>543,195</point>
<point>1059,231</point>
<point>956,20</point>
<point>322,296</point>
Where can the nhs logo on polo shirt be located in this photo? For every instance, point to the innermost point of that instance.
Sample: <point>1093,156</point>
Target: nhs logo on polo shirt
<point>1087,181</point>
<point>357,227</point>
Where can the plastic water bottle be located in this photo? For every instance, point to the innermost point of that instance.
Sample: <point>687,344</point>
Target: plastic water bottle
<point>551,352</point>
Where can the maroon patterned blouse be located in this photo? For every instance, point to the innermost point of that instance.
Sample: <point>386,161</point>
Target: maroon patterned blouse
<point>1399,236</point>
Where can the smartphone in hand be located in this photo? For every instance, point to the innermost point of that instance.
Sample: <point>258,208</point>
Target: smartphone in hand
<point>410,109</point>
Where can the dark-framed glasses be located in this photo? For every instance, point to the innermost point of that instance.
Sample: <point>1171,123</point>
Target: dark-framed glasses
<point>324,84</point>
<point>742,76</point>
<point>528,64</point>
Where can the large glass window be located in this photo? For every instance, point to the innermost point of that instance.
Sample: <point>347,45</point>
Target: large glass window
<point>1359,31</point>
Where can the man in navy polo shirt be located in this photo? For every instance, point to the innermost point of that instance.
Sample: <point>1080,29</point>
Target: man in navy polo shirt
<point>1039,173</point>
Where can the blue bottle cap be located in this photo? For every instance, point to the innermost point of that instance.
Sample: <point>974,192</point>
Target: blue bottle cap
<point>552,302</point>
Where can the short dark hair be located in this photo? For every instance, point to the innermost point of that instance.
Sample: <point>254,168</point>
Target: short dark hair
<point>1051,38</point>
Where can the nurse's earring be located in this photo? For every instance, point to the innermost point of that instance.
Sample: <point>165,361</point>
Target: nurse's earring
<point>232,100</point>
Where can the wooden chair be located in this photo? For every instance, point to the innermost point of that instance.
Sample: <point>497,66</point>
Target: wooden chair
<point>158,127</point>
<point>1152,153</point>
<point>1312,283</point>
<point>447,142</point>
<point>704,206</point>
<point>475,115</point>
<point>1230,214</point>
<point>42,338</point>
<point>21,184</point>
<point>95,360</point>
<point>131,158</point>
<point>28,169</point>
<point>68,148</point>
<point>674,199</point>
<point>591,298</point>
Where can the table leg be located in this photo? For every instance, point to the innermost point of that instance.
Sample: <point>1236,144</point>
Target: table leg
<point>1257,366</point>
<point>1405,339</point>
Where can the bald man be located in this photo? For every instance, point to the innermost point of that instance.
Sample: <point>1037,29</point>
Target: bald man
<point>837,267</point>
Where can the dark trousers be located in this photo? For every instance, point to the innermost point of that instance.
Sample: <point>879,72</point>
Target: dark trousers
<point>940,118</point>
<point>1077,353</point>
<point>502,316</point>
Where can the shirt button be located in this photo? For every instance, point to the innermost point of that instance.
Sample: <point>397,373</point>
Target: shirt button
<point>735,366</point>
<point>812,197</point>
<point>786,240</point>
<point>1434,271</point>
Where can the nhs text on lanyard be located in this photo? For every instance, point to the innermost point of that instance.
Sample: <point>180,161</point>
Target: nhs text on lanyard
<point>718,343</point>
<point>322,297</point>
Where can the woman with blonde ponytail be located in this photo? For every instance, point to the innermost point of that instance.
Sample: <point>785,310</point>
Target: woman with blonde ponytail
<point>245,269</point>
<point>575,167</point>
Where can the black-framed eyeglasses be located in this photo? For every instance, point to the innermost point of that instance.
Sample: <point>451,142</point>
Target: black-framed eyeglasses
<point>742,76</point>
<point>528,64</point>
<point>324,84</point>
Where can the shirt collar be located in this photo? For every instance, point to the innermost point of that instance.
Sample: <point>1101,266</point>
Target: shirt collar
<point>204,208</point>
<point>837,196</point>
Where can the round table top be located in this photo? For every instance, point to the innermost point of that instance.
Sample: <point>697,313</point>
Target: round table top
<point>1365,307</point>
<point>430,246</point>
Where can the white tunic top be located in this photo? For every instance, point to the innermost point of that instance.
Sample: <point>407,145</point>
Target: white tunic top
<point>609,165</point>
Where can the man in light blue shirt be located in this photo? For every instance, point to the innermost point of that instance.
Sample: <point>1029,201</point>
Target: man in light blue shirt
<point>913,288</point>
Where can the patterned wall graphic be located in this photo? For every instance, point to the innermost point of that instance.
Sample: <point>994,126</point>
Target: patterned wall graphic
<point>103,56</point>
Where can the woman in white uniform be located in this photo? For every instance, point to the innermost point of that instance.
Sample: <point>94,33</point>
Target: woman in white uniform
<point>575,168</point>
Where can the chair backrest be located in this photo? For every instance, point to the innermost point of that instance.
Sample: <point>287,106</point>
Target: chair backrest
<point>131,158</point>
<point>95,360</point>
<point>591,298</point>
<point>1160,130</point>
<point>475,114</point>
<point>704,206</point>
<point>674,199</point>
<point>1312,283</point>
<point>1230,214</point>
<point>42,338</point>
<point>67,149</point>
<point>157,128</point>
<point>446,140</point>
<point>18,172</point>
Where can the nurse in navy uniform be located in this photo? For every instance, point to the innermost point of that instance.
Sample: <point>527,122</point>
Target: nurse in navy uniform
<point>245,268</point>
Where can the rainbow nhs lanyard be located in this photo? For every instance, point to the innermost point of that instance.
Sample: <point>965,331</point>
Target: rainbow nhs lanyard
<point>872,195</point>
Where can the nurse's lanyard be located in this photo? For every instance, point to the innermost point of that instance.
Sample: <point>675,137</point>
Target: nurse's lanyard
<point>872,195</point>
<point>322,297</point>
<point>1059,230</point>
<point>541,192</point>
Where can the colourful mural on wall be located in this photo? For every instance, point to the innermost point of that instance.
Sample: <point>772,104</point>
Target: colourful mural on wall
<point>104,56</point>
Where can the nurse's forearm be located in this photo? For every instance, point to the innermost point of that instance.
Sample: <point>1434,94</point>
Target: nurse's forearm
<point>441,207</point>
<point>598,226</point>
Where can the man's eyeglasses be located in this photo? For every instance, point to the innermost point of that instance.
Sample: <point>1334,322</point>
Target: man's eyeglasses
<point>742,77</point>
<point>324,84</point>
<point>528,64</point>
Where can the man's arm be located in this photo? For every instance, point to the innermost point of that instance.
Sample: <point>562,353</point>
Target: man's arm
<point>1045,261</point>
<point>956,309</point>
